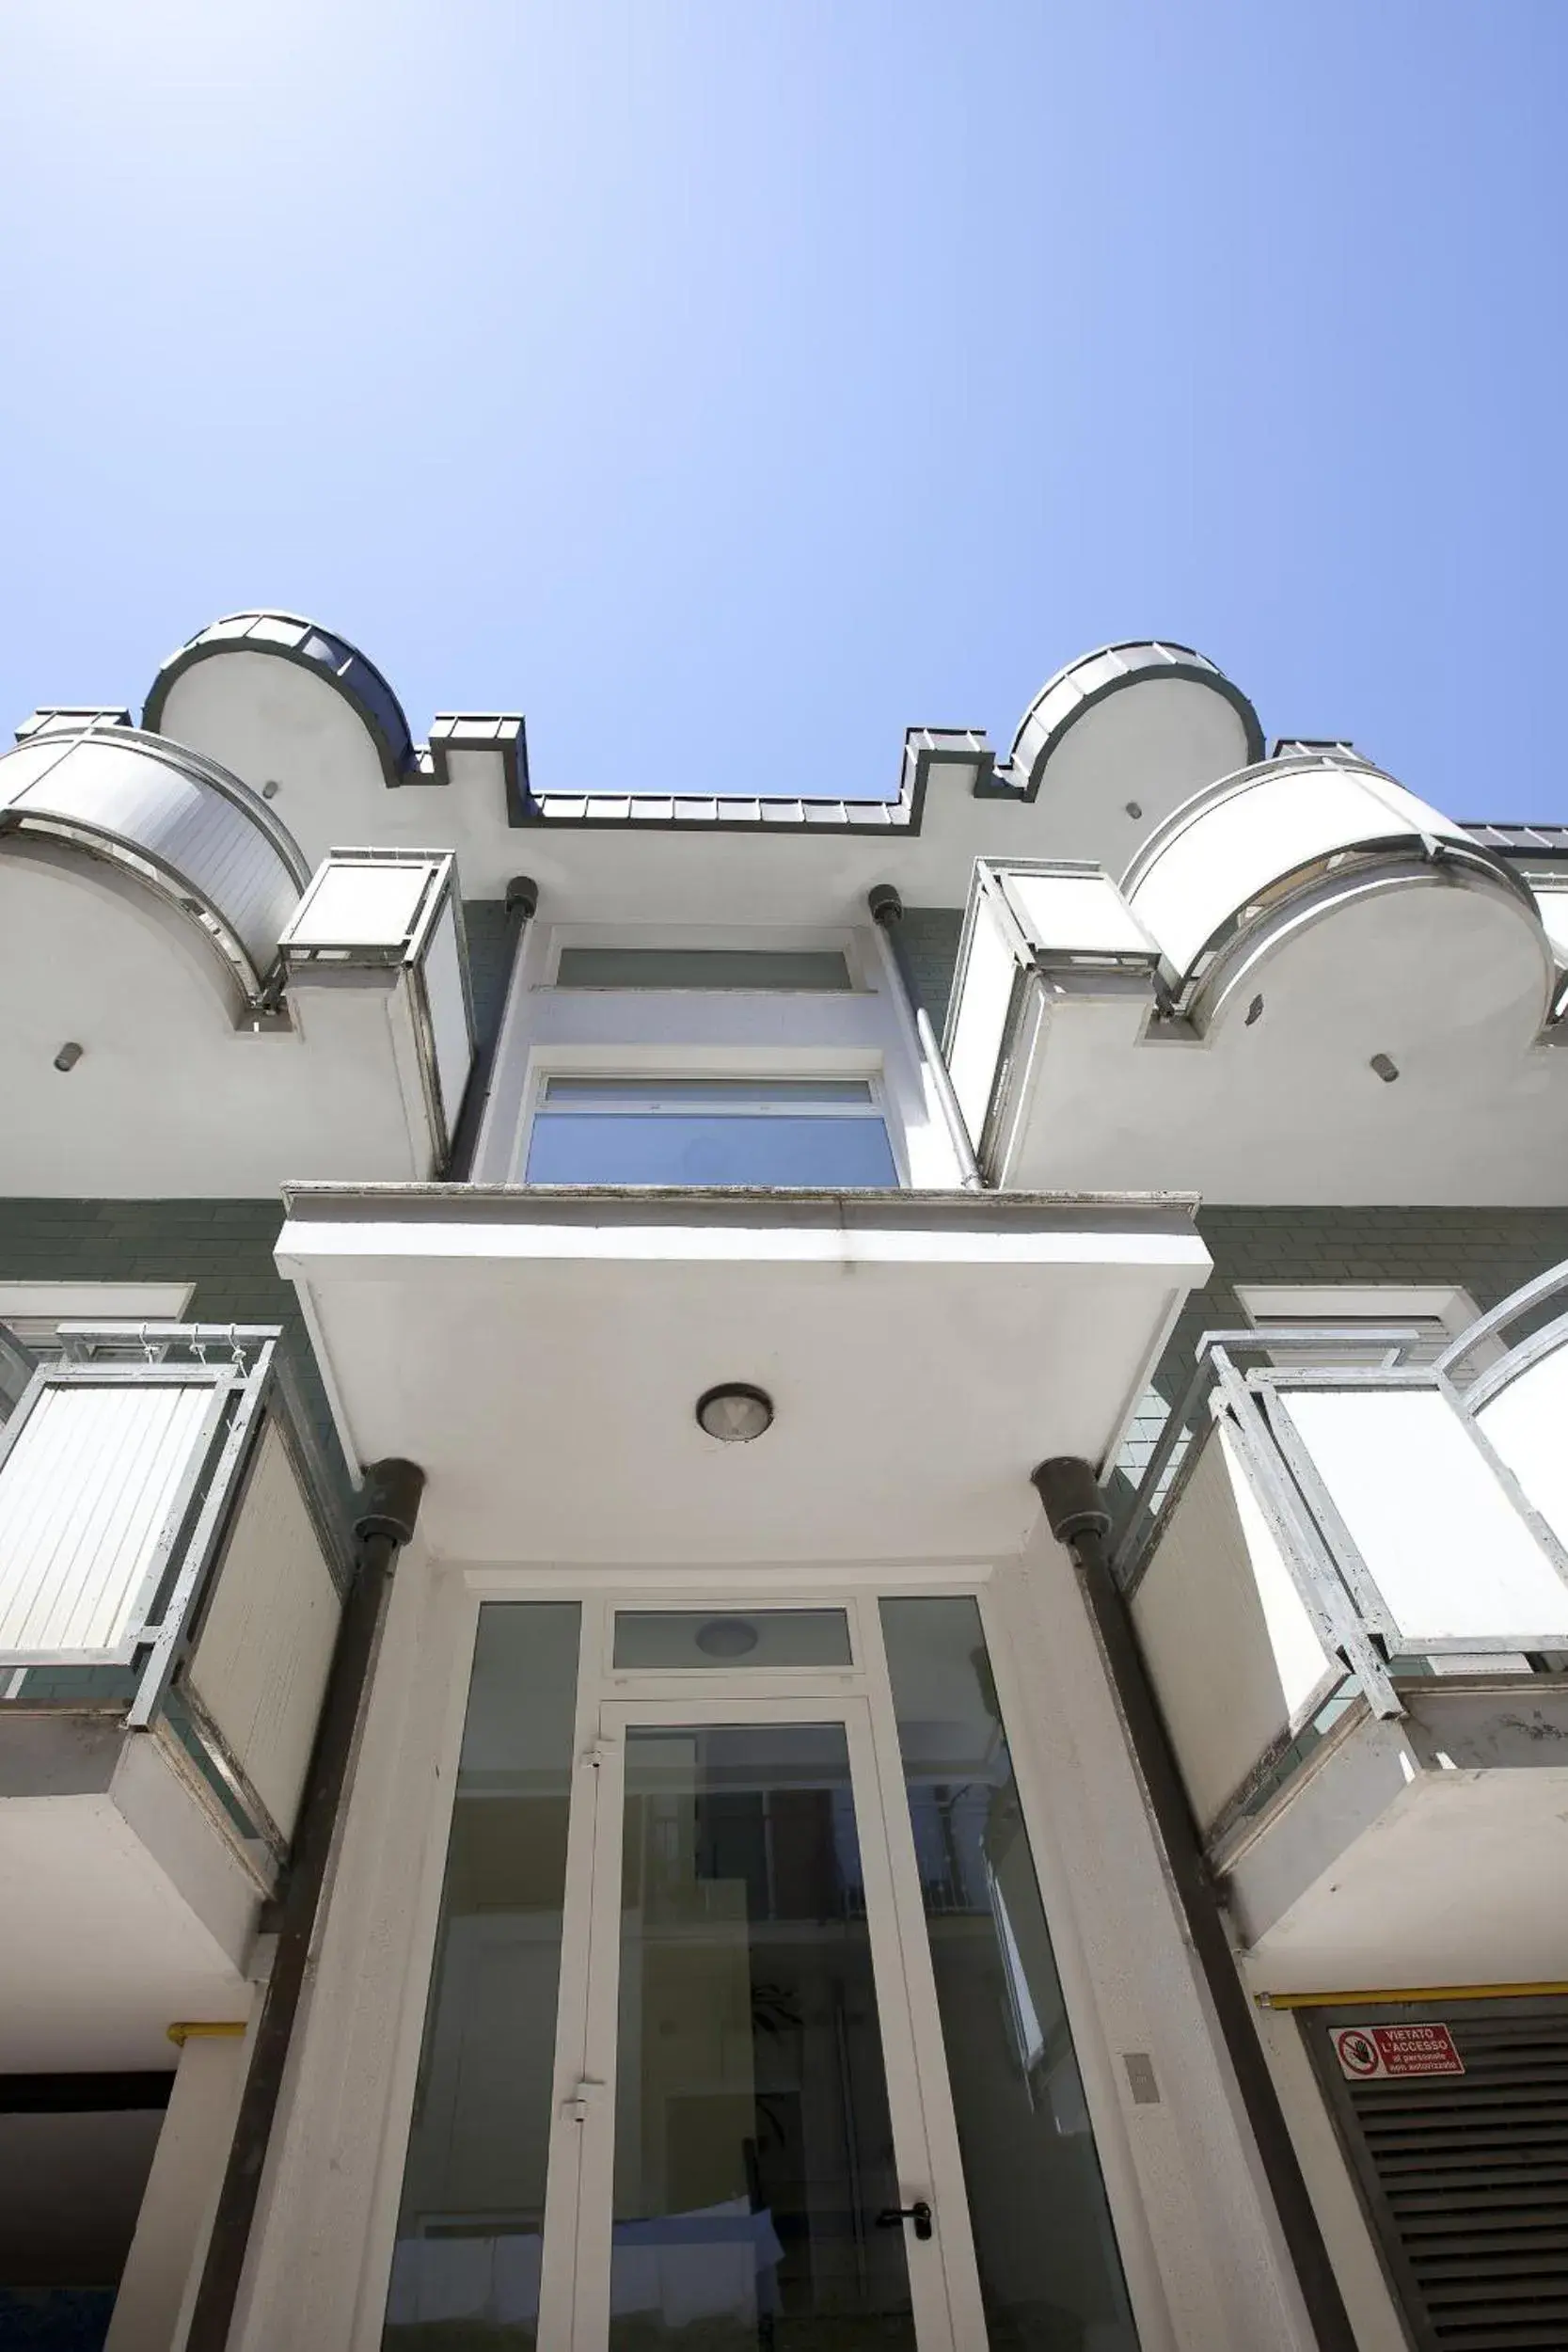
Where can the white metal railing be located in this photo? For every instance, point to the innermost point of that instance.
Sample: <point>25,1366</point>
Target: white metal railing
<point>166,1514</point>
<point>1304,1533</point>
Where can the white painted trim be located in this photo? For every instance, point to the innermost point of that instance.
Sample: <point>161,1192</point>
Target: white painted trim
<point>1382,1302</point>
<point>378,1245</point>
<point>451,1607</point>
<point>657,1061</point>
<point>84,1302</point>
<point>1010,1636</point>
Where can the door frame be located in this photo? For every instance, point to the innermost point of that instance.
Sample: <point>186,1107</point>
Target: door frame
<point>449,1626</point>
<point>575,2265</point>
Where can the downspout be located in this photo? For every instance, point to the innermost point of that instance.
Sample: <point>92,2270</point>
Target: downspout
<point>390,1508</point>
<point>887,912</point>
<point>522,901</point>
<point>1075,1509</point>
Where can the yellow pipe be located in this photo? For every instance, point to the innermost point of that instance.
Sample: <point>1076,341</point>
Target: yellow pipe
<point>180,2034</point>
<point>1407,1993</point>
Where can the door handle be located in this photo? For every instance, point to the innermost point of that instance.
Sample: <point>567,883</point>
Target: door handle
<point>919,2213</point>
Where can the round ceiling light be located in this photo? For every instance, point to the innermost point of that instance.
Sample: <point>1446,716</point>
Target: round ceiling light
<point>735,1413</point>
<point>727,1637</point>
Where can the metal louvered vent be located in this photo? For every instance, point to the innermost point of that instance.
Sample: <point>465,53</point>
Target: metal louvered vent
<point>1465,2176</point>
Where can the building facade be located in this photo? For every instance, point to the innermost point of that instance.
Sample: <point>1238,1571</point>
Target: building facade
<point>776,1573</point>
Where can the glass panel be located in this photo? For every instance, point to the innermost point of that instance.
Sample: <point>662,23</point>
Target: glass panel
<point>762,1637</point>
<point>700,967</point>
<point>1050,2274</point>
<point>466,2270</point>
<point>741,1095</point>
<point>753,2146</point>
<point>595,1147</point>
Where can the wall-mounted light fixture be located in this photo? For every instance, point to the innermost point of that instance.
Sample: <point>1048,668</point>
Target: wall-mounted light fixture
<point>69,1056</point>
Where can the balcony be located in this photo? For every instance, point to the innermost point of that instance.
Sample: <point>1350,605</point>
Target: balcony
<point>1308,985</point>
<point>1351,1598</point>
<point>170,1564</point>
<point>189,1009</point>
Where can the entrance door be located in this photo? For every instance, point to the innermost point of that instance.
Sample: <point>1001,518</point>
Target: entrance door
<point>756,2164</point>
<point>744,2032</point>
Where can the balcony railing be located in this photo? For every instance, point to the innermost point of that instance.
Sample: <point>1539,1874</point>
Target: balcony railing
<point>1306,1536</point>
<point>171,1553</point>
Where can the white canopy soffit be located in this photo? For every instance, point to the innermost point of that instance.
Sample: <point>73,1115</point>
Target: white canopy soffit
<point>540,1357</point>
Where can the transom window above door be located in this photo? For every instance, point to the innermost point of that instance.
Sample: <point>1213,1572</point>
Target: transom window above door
<point>806,1132</point>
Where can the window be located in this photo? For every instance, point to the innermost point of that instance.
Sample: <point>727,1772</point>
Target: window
<point>1437,1311</point>
<point>826,1131</point>
<point>703,967</point>
<point>680,1639</point>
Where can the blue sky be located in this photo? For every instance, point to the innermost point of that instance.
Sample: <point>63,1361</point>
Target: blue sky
<point>730,384</point>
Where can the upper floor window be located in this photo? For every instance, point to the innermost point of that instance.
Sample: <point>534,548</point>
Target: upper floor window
<point>1435,1312</point>
<point>769,968</point>
<point>827,1132</point>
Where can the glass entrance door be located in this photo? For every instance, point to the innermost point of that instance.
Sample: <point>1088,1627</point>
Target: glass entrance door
<point>743,2029</point>
<point>756,2171</point>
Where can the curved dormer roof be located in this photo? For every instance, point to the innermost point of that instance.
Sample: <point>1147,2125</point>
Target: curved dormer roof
<point>1067,699</point>
<point>320,652</point>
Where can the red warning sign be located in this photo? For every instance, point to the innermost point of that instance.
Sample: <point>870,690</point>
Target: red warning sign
<point>1368,2052</point>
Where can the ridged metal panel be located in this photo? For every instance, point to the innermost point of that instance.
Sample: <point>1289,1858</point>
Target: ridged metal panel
<point>1466,2175</point>
<point>260,1664</point>
<point>85,1493</point>
<point>199,828</point>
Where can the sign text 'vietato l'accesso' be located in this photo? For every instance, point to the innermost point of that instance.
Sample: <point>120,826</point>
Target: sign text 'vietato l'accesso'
<point>1368,2052</point>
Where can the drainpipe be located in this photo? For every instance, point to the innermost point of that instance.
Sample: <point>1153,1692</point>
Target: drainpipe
<point>522,901</point>
<point>1080,1521</point>
<point>887,912</point>
<point>390,1508</point>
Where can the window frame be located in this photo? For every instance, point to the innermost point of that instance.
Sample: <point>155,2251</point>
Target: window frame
<point>652,1064</point>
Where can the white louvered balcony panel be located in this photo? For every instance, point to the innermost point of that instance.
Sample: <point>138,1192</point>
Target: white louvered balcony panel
<point>87,1492</point>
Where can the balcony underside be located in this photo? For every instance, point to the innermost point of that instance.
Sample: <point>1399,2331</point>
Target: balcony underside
<point>1429,1851</point>
<point>126,1907</point>
<point>540,1357</point>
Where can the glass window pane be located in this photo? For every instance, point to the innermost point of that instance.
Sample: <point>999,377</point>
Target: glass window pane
<point>700,967</point>
<point>753,2150</point>
<point>762,1637</point>
<point>466,2269</point>
<point>740,1095</point>
<point>607,1148</point>
<point>1050,2274</point>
